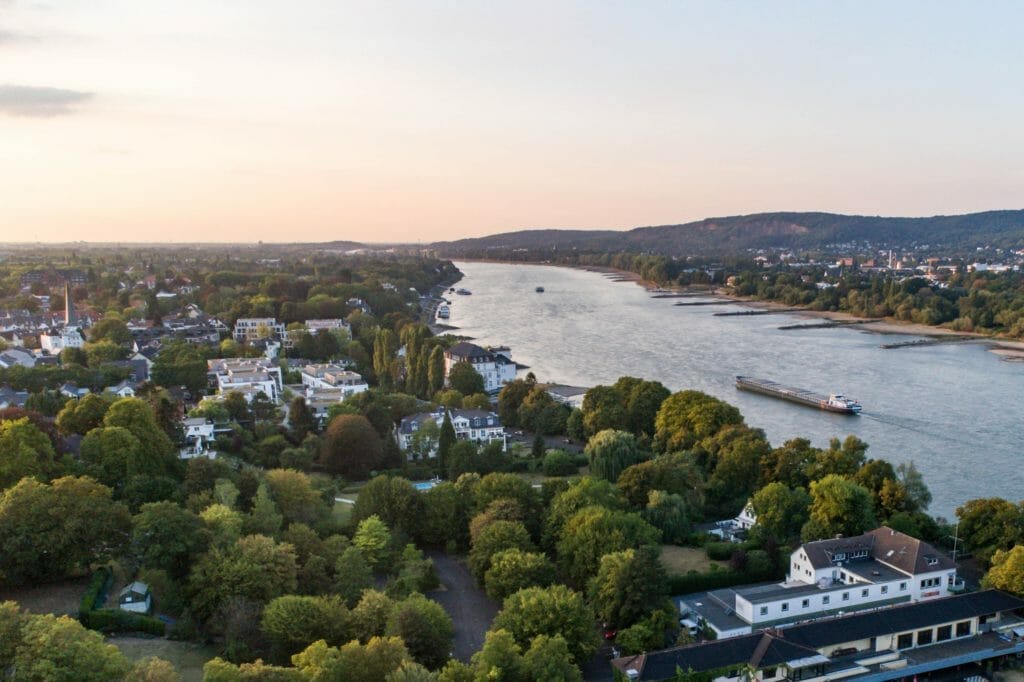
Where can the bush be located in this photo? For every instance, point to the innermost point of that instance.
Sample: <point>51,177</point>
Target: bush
<point>115,620</point>
<point>96,593</point>
<point>721,551</point>
<point>559,463</point>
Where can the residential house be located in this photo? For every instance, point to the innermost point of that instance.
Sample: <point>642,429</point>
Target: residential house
<point>72,390</point>
<point>248,376</point>
<point>57,340</point>
<point>911,641</point>
<point>495,365</point>
<point>198,434</point>
<point>880,568</point>
<point>570,396</point>
<point>332,376</point>
<point>252,328</point>
<point>16,357</point>
<point>314,327</point>
<point>11,398</point>
<point>476,425</point>
<point>123,389</point>
<point>135,597</point>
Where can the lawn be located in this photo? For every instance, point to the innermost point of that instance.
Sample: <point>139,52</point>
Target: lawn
<point>343,510</point>
<point>187,658</point>
<point>57,598</point>
<point>682,560</point>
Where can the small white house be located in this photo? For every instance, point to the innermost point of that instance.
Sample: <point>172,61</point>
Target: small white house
<point>135,597</point>
<point>123,389</point>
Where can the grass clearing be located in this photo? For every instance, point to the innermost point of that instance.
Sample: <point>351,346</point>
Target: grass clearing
<point>682,560</point>
<point>188,658</point>
<point>342,511</point>
<point>60,599</point>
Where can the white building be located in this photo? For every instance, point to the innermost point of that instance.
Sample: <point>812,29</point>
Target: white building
<point>199,434</point>
<point>136,598</point>
<point>16,357</point>
<point>56,341</point>
<point>570,396</point>
<point>248,376</point>
<point>254,328</point>
<point>123,389</point>
<point>880,568</point>
<point>333,377</point>
<point>493,364</point>
<point>476,425</point>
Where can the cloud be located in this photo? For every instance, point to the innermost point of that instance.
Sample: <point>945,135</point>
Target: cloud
<point>36,102</point>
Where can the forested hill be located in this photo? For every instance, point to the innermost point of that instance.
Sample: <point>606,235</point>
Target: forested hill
<point>766,230</point>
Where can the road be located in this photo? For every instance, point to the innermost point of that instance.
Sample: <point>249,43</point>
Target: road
<point>471,610</point>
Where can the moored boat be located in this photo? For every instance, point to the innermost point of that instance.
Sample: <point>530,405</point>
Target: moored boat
<point>443,312</point>
<point>539,290</point>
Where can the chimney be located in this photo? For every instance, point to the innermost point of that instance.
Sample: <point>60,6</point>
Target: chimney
<point>69,310</point>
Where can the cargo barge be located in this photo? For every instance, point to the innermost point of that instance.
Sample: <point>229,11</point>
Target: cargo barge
<point>834,402</point>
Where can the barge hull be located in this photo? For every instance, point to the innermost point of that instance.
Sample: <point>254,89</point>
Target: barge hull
<point>794,395</point>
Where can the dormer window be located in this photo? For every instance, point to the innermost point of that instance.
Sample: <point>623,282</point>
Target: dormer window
<point>932,561</point>
<point>839,556</point>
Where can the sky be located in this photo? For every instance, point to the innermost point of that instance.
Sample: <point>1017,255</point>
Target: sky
<point>379,121</point>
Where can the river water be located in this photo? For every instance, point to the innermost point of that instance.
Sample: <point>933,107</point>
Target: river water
<point>955,410</point>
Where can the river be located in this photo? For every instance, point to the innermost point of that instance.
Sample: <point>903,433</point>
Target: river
<point>953,409</point>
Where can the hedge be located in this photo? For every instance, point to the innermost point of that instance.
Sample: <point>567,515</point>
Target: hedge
<point>112,620</point>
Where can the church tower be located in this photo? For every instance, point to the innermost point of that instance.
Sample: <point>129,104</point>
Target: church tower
<point>69,308</point>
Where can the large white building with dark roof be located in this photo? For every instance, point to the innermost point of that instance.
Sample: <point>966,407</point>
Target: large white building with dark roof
<point>479,426</point>
<point>880,568</point>
<point>495,365</point>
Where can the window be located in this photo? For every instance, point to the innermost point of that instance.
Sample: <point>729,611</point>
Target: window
<point>924,637</point>
<point>864,592</point>
<point>764,610</point>
<point>842,576</point>
<point>840,556</point>
<point>885,589</point>
<point>785,606</point>
<point>963,628</point>
<point>903,587</point>
<point>805,603</point>
<point>846,596</point>
<point>905,641</point>
<point>825,599</point>
<point>943,633</point>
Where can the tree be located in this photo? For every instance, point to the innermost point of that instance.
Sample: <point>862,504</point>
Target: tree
<point>265,518</point>
<point>33,548</point>
<point>424,627</point>
<point>595,531</point>
<point>445,440</point>
<point>394,501</point>
<point>559,463</point>
<point>301,419</point>
<point>370,615</point>
<point>223,523</point>
<point>668,513</point>
<point>500,658</point>
<point>584,493</point>
<point>351,447</point>
<point>136,415</point>
<point>690,416</point>
<point>464,378</point>
<point>295,496</point>
<point>435,371</point>
<point>913,482</point>
<point>781,512</point>
<point>114,455</point>
<point>24,451</point>
<point>610,452</point>
<point>1007,572</point>
<point>496,486</point>
<point>352,575</point>
<point>110,328</point>
<point>513,569</point>
<point>628,586</point>
<point>255,568</point>
<point>738,452</point>
<point>844,459</point>
<point>83,415</point>
<point>353,662</point>
<point>152,669</point>
<point>373,540</point>
<point>496,537</point>
<point>59,648</point>
<point>540,413</point>
<point>167,537</point>
<point>554,610</point>
<point>838,507</point>
<point>510,398</point>
<point>789,464</point>
<point>674,473</point>
<point>990,524</point>
<point>384,347</point>
<point>292,623</point>
<point>445,517</point>
<point>643,399</point>
<point>549,658</point>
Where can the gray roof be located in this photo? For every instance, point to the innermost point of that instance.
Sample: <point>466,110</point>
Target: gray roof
<point>906,554</point>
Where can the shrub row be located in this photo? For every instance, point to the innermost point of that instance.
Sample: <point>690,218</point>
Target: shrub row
<point>96,593</point>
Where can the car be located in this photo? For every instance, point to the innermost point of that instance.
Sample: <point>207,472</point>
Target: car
<point>689,625</point>
<point>610,632</point>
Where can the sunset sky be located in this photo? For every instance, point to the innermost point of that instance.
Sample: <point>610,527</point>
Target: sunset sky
<point>224,120</point>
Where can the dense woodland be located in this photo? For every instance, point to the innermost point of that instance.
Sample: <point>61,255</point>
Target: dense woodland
<point>252,553</point>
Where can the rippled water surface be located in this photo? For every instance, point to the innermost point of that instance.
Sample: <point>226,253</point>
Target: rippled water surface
<point>956,410</point>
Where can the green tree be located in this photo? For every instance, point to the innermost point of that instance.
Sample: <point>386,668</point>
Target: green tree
<point>114,455</point>
<point>445,441</point>
<point>152,669</point>
<point>255,568</point>
<point>781,512</point>
<point>353,662</point>
<point>510,398</point>
<point>990,524</point>
<point>604,408</point>
<point>352,575</point>
<point>24,451</point>
<point>540,413</point>
<point>435,371</point>
<point>373,539</point>
<point>33,548</point>
<point>668,513</point>
<point>301,419</point>
<point>168,537</point>
<point>610,452</point>
<point>514,569</point>
<point>59,648</point>
<point>838,507</point>
<point>292,623</point>
<point>223,523</point>
<point>551,611</point>
<point>384,346</point>
<point>137,416</point>
<point>464,378</point>
<point>295,496</point>
<point>690,416</point>
<point>265,518</point>
<point>595,531</point>
<point>497,537</point>
<point>351,447</point>
<point>549,658</point>
<point>394,501</point>
<point>424,627</point>
<point>584,493</point>
<point>913,483</point>
<point>83,415</point>
<point>500,658</point>
<point>370,615</point>
<point>674,473</point>
<point>110,328</point>
<point>1007,572</point>
<point>628,586</point>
